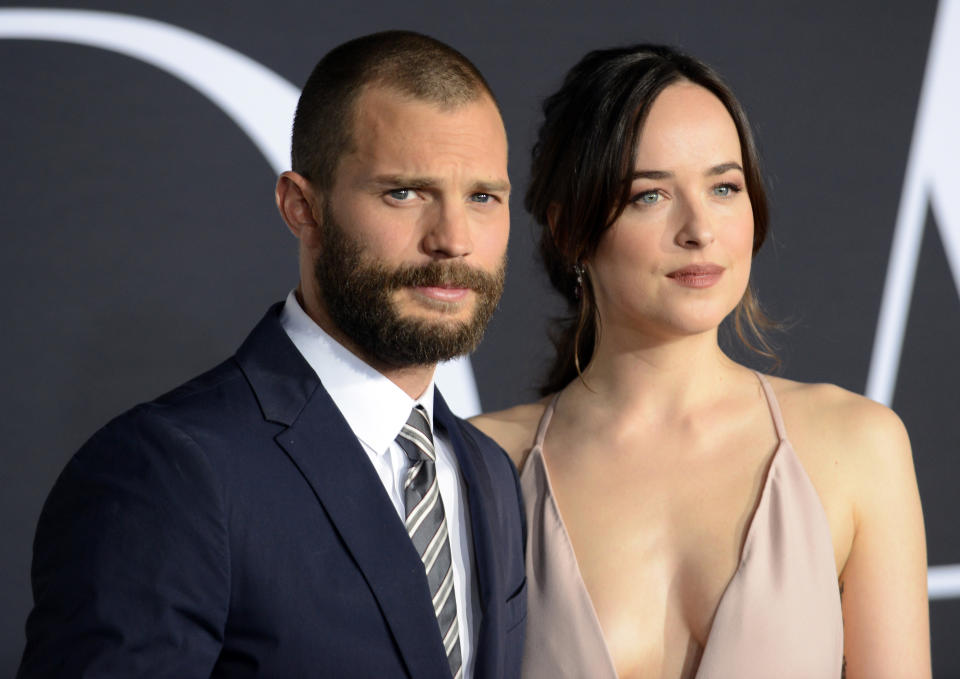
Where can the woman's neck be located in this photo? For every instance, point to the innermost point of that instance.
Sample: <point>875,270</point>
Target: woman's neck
<point>656,378</point>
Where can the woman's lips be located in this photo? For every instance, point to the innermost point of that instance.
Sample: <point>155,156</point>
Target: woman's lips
<point>697,275</point>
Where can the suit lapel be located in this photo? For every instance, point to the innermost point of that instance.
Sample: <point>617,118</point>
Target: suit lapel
<point>480,495</point>
<point>321,444</point>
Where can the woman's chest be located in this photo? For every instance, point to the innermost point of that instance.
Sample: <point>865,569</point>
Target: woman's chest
<point>656,546</point>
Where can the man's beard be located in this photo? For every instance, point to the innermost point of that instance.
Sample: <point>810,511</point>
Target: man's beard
<point>357,296</point>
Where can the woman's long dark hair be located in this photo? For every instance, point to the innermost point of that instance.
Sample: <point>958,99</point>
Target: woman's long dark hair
<point>581,175</point>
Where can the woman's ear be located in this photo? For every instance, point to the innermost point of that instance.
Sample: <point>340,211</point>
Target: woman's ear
<point>553,214</point>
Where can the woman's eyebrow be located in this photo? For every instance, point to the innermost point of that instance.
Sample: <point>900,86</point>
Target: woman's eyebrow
<point>723,167</point>
<point>663,174</point>
<point>652,174</point>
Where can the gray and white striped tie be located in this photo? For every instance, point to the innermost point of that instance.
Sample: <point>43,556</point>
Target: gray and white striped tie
<point>427,527</point>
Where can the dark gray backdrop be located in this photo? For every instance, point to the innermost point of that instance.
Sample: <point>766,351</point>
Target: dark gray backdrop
<point>140,240</point>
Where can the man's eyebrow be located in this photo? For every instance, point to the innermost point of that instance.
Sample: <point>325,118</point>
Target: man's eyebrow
<point>494,186</point>
<point>395,181</point>
<point>402,182</point>
<point>724,167</point>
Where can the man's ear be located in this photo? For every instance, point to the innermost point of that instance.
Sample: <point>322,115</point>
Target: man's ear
<point>298,204</point>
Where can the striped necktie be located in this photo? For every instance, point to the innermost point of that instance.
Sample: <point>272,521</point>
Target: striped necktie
<point>427,527</point>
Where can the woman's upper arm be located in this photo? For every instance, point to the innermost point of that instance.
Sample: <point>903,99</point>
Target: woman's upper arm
<point>884,581</point>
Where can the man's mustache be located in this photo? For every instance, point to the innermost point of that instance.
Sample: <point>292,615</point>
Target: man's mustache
<point>445,274</point>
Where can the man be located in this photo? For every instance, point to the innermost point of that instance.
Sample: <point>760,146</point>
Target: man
<point>311,507</point>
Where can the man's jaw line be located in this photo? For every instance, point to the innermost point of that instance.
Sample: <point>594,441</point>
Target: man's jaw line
<point>413,379</point>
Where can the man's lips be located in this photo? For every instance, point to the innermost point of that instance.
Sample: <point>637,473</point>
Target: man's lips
<point>443,293</point>
<point>697,275</point>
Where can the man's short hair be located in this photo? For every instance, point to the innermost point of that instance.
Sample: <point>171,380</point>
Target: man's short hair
<point>409,63</point>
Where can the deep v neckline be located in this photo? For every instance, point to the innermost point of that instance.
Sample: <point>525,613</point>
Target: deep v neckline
<point>761,503</point>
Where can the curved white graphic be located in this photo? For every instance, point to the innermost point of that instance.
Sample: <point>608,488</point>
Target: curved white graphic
<point>261,102</point>
<point>932,180</point>
<point>257,99</point>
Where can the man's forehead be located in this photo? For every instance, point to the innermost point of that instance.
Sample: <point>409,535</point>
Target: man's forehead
<point>436,97</point>
<point>384,102</point>
<point>406,132</point>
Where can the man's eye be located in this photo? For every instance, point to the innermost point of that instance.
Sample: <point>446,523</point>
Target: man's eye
<point>401,194</point>
<point>481,198</point>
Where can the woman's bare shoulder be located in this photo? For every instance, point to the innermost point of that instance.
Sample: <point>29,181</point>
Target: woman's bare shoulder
<point>844,412</point>
<point>841,423</point>
<point>514,428</point>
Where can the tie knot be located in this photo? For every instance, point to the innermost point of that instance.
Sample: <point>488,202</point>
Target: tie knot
<point>415,438</point>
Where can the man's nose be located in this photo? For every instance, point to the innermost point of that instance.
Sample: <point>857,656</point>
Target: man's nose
<point>448,231</point>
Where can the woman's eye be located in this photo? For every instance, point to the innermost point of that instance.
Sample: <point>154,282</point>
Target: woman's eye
<point>725,190</point>
<point>647,197</point>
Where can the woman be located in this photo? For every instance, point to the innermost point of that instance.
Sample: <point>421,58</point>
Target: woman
<point>707,510</point>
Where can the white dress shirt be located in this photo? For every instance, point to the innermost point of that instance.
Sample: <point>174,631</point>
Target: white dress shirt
<point>376,409</point>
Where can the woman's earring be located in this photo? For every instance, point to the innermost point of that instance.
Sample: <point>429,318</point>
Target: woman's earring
<point>578,290</point>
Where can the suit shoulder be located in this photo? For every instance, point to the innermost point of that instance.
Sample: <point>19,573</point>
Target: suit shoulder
<point>225,375</point>
<point>514,428</point>
<point>219,395</point>
<point>214,405</point>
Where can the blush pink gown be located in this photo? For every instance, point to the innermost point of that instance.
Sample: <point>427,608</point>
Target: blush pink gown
<point>779,615</point>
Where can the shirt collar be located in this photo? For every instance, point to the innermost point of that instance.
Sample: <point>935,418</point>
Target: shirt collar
<point>374,407</point>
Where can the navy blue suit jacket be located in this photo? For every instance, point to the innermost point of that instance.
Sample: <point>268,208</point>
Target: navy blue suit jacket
<point>235,528</point>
